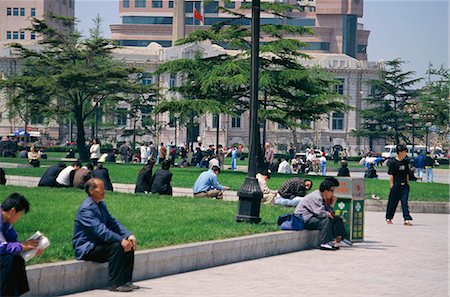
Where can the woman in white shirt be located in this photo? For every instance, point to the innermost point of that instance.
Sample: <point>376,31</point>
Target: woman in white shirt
<point>95,151</point>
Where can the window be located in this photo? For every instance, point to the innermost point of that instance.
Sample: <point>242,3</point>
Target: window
<point>281,126</point>
<point>339,88</point>
<point>16,35</point>
<point>172,80</point>
<point>37,119</point>
<point>337,122</point>
<point>362,49</point>
<point>140,3</point>
<point>22,11</point>
<point>126,3</point>
<point>121,116</point>
<point>156,4</point>
<point>215,121</point>
<point>32,35</point>
<point>8,35</point>
<point>146,20</point>
<point>33,12</point>
<point>236,122</point>
<point>146,79</point>
<point>230,5</point>
<point>172,121</point>
<point>15,11</point>
<point>8,11</point>
<point>22,35</point>
<point>211,7</point>
<point>170,4</point>
<point>71,3</point>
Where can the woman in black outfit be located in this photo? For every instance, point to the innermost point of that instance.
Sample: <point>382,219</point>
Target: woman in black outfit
<point>161,180</point>
<point>144,180</point>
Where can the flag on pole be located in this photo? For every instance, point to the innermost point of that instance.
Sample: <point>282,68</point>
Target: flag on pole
<point>197,15</point>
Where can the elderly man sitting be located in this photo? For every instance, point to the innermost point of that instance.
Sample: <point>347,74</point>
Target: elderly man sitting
<point>207,184</point>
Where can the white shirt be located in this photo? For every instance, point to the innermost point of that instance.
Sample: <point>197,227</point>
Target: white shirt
<point>95,151</point>
<point>143,152</point>
<point>213,162</point>
<point>284,167</point>
<point>64,176</point>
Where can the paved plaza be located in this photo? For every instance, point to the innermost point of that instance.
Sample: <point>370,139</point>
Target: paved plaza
<point>394,260</point>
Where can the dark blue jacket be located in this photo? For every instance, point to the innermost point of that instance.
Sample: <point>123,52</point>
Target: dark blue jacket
<point>95,225</point>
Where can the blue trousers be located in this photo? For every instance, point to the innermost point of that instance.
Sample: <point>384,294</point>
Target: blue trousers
<point>398,193</point>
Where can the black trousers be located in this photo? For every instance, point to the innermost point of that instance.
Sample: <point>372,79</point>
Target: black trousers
<point>398,193</point>
<point>325,225</point>
<point>338,227</point>
<point>13,279</point>
<point>120,263</point>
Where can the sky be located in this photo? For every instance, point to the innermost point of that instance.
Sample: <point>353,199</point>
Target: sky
<point>417,31</point>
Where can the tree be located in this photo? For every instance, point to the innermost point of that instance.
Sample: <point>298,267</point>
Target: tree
<point>77,74</point>
<point>434,101</point>
<point>390,105</point>
<point>295,92</point>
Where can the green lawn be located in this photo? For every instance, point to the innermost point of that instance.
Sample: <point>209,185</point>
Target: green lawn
<point>156,221</point>
<point>185,177</point>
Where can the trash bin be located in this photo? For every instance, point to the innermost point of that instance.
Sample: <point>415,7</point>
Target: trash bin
<point>350,205</point>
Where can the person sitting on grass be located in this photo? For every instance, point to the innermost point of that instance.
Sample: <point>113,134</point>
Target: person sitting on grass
<point>268,194</point>
<point>208,186</point>
<point>161,180</point>
<point>144,180</point>
<point>343,171</point>
<point>13,277</point>
<point>65,177</point>
<point>82,176</point>
<point>103,174</point>
<point>48,179</point>
<point>292,191</point>
<point>99,237</point>
<point>316,209</point>
<point>33,157</point>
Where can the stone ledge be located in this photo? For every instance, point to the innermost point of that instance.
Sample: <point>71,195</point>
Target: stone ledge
<point>76,276</point>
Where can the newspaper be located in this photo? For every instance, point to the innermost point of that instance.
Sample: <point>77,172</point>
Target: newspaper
<point>43,244</point>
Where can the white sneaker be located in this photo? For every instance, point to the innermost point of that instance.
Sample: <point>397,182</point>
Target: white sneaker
<point>345,243</point>
<point>326,246</point>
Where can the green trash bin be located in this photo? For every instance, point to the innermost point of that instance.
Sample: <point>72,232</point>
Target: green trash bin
<point>350,205</point>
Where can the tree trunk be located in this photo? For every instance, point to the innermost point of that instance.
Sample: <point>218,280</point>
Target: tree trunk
<point>294,137</point>
<point>81,137</point>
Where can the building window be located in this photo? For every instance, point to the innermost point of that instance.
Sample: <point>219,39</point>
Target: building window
<point>172,80</point>
<point>8,35</point>
<point>71,3</point>
<point>22,35</point>
<point>172,121</point>
<point>236,122</point>
<point>211,7</point>
<point>156,4</point>
<point>33,12</point>
<point>230,5</point>
<point>140,3</point>
<point>339,88</point>
<point>121,117</point>
<point>337,122</point>
<point>170,4</point>
<point>8,11</point>
<point>146,79</point>
<point>15,11</point>
<point>32,35</point>
<point>362,49</point>
<point>37,119</point>
<point>215,121</point>
<point>281,126</point>
<point>16,35</point>
<point>22,11</point>
<point>126,3</point>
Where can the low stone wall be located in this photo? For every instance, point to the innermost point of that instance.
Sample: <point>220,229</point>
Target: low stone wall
<point>76,276</point>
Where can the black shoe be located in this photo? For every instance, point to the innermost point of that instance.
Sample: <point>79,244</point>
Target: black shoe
<point>123,288</point>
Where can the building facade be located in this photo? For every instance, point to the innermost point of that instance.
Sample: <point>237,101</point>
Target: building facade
<point>334,23</point>
<point>16,15</point>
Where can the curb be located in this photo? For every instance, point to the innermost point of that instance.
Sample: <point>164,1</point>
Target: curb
<point>76,276</point>
<point>370,204</point>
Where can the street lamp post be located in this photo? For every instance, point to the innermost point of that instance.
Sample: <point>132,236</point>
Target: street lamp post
<point>250,194</point>
<point>414,117</point>
<point>427,127</point>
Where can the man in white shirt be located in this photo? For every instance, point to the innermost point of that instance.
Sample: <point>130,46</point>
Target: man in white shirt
<point>285,167</point>
<point>65,177</point>
<point>143,150</point>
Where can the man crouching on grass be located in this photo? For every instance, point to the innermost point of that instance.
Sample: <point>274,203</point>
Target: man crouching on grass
<point>100,238</point>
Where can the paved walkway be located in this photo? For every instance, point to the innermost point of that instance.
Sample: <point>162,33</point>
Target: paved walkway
<point>394,260</point>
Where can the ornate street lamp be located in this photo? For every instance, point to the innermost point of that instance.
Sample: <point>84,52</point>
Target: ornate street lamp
<point>250,194</point>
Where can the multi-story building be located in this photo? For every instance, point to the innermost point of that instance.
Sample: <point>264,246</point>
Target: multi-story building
<point>15,17</point>
<point>334,23</point>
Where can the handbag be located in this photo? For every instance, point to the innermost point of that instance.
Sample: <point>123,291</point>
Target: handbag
<point>291,222</point>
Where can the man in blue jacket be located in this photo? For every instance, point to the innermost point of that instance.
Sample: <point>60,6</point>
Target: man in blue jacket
<point>207,184</point>
<point>100,238</point>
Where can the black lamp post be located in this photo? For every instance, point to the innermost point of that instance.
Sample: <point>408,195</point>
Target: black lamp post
<point>250,194</point>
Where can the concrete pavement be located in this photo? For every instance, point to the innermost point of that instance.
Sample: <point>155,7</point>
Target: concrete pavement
<point>394,260</point>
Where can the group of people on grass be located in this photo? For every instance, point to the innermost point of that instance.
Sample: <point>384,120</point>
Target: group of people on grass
<point>99,237</point>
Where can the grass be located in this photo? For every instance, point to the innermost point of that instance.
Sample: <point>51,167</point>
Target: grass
<point>156,221</point>
<point>185,178</point>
